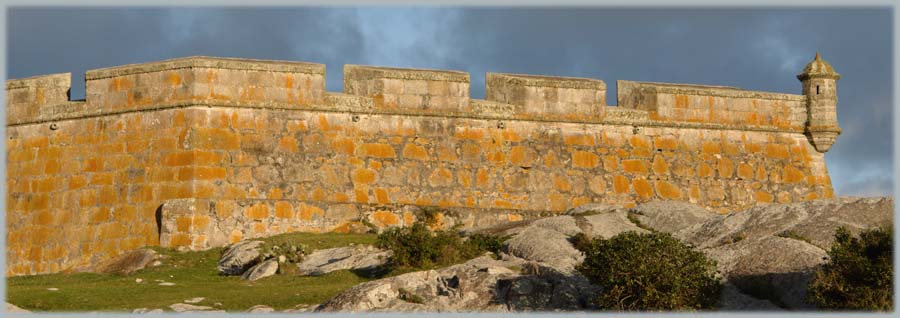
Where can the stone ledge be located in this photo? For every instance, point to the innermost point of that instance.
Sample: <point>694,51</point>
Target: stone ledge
<point>207,62</point>
<point>546,81</point>
<point>50,80</point>
<point>625,88</point>
<point>621,117</point>
<point>372,72</point>
<point>342,101</point>
<point>624,114</point>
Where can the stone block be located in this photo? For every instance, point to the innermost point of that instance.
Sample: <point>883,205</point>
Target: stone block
<point>558,97</point>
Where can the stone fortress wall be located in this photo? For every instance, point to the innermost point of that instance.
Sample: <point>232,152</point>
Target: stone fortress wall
<point>200,152</point>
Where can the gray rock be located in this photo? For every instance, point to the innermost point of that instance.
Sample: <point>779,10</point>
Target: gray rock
<point>147,311</point>
<point>607,224</point>
<point>360,257</point>
<point>130,262</point>
<point>816,220</point>
<point>671,216</point>
<point>194,300</point>
<point>260,309</point>
<point>732,299</point>
<point>772,268</point>
<point>15,309</point>
<point>481,284</point>
<point>562,224</point>
<point>239,257</point>
<point>265,269</point>
<point>547,246</point>
<point>301,308</point>
<point>592,208</point>
<point>761,267</point>
<point>188,308</point>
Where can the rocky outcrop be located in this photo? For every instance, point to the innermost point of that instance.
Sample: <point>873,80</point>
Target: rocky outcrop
<point>239,257</point>
<point>263,269</point>
<point>188,308</point>
<point>671,216</point>
<point>765,256</point>
<point>770,251</point>
<point>481,284</point>
<point>10,308</point>
<point>360,258</point>
<point>130,262</point>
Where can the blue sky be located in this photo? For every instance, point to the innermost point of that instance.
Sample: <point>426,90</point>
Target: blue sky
<point>758,49</point>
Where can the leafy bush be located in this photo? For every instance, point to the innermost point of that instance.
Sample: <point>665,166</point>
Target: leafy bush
<point>859,273</point>
<point>485,242</point>
<point>293,253</point>
<point>653,271</point>
<point>417,246</point>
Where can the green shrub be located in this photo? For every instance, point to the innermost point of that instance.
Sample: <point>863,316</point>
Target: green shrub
<point>859,273</point>
<point>485,242</point>
<point>293,253</point>
<point>417,246</point>
<point>653,271</point>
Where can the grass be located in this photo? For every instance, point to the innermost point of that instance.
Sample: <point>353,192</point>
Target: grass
<point>194,275</point>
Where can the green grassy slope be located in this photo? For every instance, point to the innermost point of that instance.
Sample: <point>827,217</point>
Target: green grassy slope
<point>194,275</point>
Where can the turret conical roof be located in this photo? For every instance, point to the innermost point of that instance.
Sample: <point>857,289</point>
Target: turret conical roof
<point>818,68</point>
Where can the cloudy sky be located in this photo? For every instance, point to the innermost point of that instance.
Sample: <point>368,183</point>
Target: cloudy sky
<point>758,49</point>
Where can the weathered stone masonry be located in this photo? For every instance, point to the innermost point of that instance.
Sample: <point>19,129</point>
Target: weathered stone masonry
<point>200,152</point>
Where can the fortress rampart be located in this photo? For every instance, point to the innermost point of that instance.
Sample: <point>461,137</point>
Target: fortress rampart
<point>200,152</point>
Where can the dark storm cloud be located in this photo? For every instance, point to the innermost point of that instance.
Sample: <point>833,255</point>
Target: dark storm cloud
<point>752,49</point>
<point>64,40</point>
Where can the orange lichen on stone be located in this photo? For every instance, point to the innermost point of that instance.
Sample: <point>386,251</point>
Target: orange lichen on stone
<point>470,133</point>
<point>288,144</point>
<point>665,142</point>
<point>362,195</point>
<point>414,151</point>
<point>635,166</point>
<point>640,142</point>
<point>579,139</point>
<point>378,150</point>
<point>363,176</point>
<point>441,177</point>
<point>667,190</point>
<point>725,167</point>
<point>711,148</point>
<point>621,184</point>
<point>284,210</point>
<point>745,171</point>
<point>584,159</point>
<point>257,211</point>
<point>792,175</point>
<point>764,197</point>
<point>381,195</point>
<point>385,218</point>
<point>704,170</point>
<point>307,212</point>
<point>562,183</point>
<point>610,163</point>
<point>517,155</point>
<point>777,151</point>
<point>643,188</point>
<point>660,166</point>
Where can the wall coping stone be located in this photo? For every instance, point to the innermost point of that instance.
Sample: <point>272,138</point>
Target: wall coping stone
<point>703,90</point>
<point>49,80</point>
<point>371,72</point>
<point>207,62</point>
<point>547,81</point>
